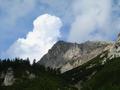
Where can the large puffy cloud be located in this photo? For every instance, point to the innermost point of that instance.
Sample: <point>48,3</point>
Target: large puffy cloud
<point>17,16</point>
<point>37,43</point>
<point>93,20</point>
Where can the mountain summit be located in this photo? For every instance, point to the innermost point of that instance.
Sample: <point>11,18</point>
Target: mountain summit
<point>66,56</point>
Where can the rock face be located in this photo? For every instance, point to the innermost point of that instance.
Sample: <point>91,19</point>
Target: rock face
<point>114,51</point>
<point>9,78</point>
<point>67,56</point>
<point>32,76</point>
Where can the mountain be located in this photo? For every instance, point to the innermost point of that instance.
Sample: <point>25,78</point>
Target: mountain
<point>93,65</point>
<point>99,73</point>
<point>66,56</point>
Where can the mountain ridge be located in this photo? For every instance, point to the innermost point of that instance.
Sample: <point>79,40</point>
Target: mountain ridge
<point>66,55</point>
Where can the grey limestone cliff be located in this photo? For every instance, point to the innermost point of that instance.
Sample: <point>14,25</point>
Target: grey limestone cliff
<point>9,78</point>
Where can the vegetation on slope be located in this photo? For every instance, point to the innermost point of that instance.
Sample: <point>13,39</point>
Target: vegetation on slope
<point>45,79</point>
<point>83,72</point>
<point>106,79</point>
<point>94,75</point>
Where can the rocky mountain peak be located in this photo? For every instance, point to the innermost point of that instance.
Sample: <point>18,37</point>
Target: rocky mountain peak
<point>67,56</point>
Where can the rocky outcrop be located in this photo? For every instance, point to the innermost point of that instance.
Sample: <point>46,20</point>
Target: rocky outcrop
<point>32,76</point>
<point>9,78</point>
<point>67,56</point>
<point>114,51</point>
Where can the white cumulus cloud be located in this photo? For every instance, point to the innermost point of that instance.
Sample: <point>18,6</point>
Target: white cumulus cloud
<point>45,34</point>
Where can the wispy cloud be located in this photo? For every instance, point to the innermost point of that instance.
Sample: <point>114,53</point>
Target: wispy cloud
<point>93,20</point>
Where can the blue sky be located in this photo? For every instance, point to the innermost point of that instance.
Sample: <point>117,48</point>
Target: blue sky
<point>11,30</point>
<point>82,20</point>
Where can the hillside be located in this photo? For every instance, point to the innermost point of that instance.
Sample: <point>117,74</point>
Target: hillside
<point>18,74</point>
<point>100,73</point>
<point>106,79</point>
<point>94,75</point>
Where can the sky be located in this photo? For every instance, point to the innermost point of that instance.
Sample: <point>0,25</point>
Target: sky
<point>29,28</point>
